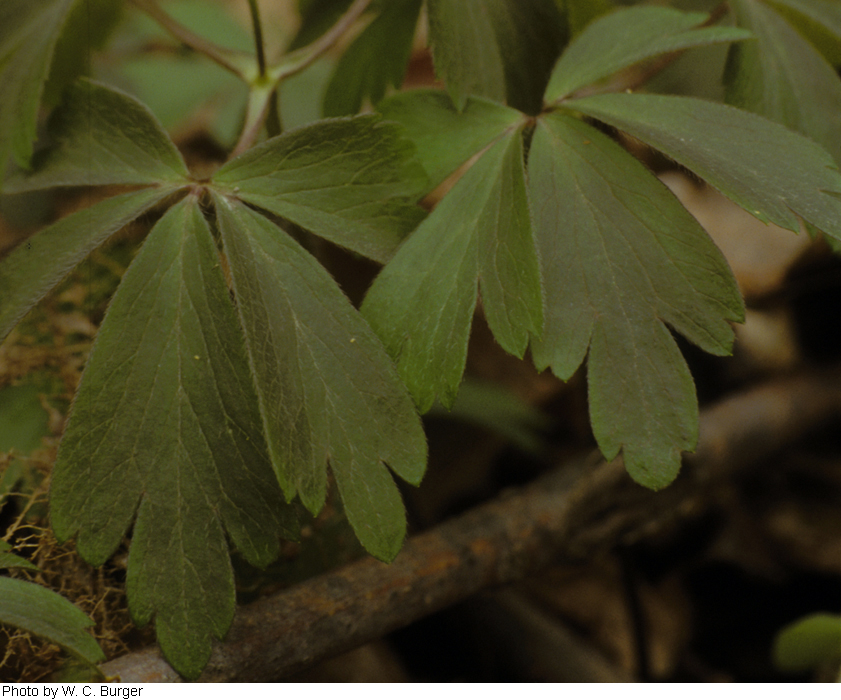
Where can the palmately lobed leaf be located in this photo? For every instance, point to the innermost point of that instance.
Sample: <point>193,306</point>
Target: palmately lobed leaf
<point>625,37</point>
<point>621,258</point>
<point>102,137</point>
<point>352,181</point>
<point>328,392</point>
<point>165,433</point>
<point>773,173</point>
<point>478,237</point>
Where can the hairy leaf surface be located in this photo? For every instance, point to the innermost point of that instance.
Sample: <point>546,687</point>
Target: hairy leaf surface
<point>45,613</point>
<point>28,35</point>
<point>479,235</point>
<point>351,181</point>
<point>784,78</point>
<point>41,262</point>
<point>626,37</point>
<point>102,137</point>
<point>620,259</point>
<point>771,172</point>
<point>375,61</point>
<point>445,137</point>
<point>503,50</point>
<point>328,391</point>
<point>165,433</point>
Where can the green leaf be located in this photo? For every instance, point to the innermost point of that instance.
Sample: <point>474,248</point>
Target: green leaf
<point>375,61</point>
<point>12,561</point>
<point>317,16</point>
<point>351,181</point>
<point>499,410</point>
<point>771,172</point>
<point>23,421</point>
<point>621,258</point>
<point>479,236</point>
<point>808,643</point>
<point>12,475</point>
<point>783,77</point>
<point>819,21</point>
<point>165,427</point>
<point>45,613</point>
<point>28,35</point>
<point>103,137</point>
<point>626,37</point>
<point>445,137</point>
<point>825,12</point>
<point>41,262</point>
<point>328,391</point>
<point>193,84</point>
<point>580,13</point>
<point>503,50</point>
<point>88,27</point>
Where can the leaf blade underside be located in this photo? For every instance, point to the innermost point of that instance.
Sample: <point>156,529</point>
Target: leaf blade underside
<point>350,180</point>
<point>620,259</point>
<point>479,236</point>
<point>165,428</point>
<point>328,391</point>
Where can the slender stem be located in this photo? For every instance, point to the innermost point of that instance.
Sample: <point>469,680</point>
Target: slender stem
<point>225,58</point>
<point>263,90</point>
<point>255,116</point>
<point>274,124</point>
<point>298,60</point>
<point>258,36</point>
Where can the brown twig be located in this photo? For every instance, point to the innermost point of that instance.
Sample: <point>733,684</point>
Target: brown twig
<point>573,512</point>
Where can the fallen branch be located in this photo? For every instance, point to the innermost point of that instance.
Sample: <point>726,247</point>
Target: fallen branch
<point>573,512</point>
